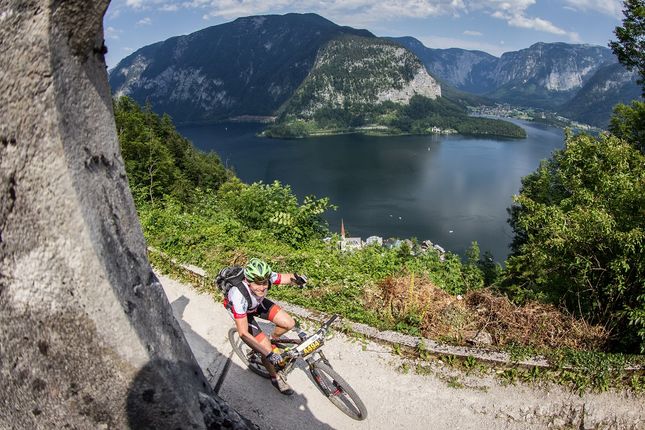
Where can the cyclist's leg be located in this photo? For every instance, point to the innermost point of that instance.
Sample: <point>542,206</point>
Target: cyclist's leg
<point>278,316</point>
<point>261,337</point>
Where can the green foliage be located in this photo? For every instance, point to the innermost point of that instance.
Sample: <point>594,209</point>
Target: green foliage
<point>580,230</point>
<point>630,46</point>
<point>275,208</point>
<point>420,116</point>
<point>628,123</point>
<point>158,160</point>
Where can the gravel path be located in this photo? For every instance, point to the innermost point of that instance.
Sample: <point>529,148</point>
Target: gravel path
<point>441,399</point>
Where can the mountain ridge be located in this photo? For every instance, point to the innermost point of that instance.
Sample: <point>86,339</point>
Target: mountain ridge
<point>252,66</point>
<point>553,84</point>
<point>256,63</point>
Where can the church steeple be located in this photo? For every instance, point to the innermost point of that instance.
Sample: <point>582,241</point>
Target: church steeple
<point>342,229</point>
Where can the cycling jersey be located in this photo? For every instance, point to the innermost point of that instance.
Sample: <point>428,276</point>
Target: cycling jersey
<point>238,306</point>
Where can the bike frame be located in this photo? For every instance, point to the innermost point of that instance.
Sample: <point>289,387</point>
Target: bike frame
<point>308,350</point>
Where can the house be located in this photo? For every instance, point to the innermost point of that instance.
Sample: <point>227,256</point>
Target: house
<point>351,244</point>
<point>348,243</point>
<point>374,240</point>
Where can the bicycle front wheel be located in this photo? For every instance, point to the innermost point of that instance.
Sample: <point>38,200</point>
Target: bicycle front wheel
<point>338,391</point>
<point>246,354</point>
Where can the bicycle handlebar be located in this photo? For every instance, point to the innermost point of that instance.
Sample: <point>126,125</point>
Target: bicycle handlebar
<point>331,320</point>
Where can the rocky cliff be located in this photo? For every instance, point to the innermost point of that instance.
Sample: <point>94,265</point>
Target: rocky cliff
<point>354,71</point>
<point>594,102</point>
<point>87,337</point>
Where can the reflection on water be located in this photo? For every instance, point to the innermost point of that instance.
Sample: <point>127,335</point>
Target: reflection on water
<point>410,186</point>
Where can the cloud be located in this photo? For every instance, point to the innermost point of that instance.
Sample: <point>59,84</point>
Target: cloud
<point>515,14</point>
<point>358,11</point>
<point>368,13</point>
<point>144,21</point>
<point>135,4</point>
<point>112,33</point>
<point>605,7</point>
<point>473,33</point>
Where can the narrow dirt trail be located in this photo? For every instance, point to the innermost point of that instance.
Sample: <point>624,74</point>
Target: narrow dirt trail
<point>442,399</point>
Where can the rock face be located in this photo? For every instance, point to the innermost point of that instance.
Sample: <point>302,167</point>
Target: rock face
<point>353,71</point>
<point>87,337</point>
<point>594,102</point>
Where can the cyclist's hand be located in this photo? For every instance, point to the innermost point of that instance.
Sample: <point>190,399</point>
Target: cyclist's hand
<point>303,336</point>
<point>299,280</point>
<point>274,358</point>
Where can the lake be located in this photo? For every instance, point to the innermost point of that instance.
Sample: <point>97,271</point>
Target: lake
<point>451,190</point>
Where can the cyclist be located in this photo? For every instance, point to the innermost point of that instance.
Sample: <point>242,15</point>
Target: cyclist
<point>244,306</point>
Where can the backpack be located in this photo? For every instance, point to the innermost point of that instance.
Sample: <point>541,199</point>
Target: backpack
<point>232,277</point>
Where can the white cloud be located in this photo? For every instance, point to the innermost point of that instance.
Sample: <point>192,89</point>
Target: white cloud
<point>515,14</point>
<point>128,50</point>
<point>135,4</point>
<point>473,33</point>
<point>606,7</point>
<point>359,11</point>
<point>112,33</point>
<point>368,13</point>
<point>144,21</point>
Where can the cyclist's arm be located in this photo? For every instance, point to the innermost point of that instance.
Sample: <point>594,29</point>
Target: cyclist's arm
<point>242,326</point>
<point>282,278</point>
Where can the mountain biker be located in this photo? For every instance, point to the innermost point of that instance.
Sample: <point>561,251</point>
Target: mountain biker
<point>258,277</point>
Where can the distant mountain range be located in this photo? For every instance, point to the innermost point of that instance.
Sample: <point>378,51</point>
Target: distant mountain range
<point>256,66</point>
<point>581,82</point>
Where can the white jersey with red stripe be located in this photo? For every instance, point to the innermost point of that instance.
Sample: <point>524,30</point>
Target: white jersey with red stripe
<point>238,305</point>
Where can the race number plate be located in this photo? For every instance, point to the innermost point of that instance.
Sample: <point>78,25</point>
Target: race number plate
<point>311,348</point>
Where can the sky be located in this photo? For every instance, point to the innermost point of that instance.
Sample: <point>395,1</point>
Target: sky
<point>493,26</point>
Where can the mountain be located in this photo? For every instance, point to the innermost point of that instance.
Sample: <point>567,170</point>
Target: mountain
<point>545,75</point>
<point>249,66</point>
<point>458,67</point>
<point>580,82</point>
<point>375,86</point>
<point>263,65</point>
<point>594,102</point>
<point>355,73</point>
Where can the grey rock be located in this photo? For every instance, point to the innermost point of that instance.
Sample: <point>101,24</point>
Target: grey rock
<point>87,337</point>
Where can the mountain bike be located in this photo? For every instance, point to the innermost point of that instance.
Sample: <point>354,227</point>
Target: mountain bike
<point>332,385</point>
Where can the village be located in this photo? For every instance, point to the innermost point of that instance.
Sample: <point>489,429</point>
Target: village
<point>355,243</point>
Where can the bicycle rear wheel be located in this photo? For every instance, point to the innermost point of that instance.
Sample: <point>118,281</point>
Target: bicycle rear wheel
<point>338,391</point>
<point>246,354</point>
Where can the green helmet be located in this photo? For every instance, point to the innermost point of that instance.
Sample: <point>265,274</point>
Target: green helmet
<point>257,270</point>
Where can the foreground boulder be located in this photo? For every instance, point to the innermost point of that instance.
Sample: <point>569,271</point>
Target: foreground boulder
<point>87,337</point>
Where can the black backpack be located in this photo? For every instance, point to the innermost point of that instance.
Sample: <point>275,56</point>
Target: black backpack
<point>232,277</point>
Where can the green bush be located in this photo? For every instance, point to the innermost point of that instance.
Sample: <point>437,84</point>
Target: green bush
<point>580,230</point>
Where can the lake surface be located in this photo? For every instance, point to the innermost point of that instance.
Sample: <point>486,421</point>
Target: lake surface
<point>450,189</point>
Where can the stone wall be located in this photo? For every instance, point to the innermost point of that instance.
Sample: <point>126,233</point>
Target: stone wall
<point>87,337</point>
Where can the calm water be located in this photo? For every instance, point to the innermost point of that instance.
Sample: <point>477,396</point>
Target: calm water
<point>449,189</point>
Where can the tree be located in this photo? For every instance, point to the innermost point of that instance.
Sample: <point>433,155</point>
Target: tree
<point>158,160</point>
<point>630,46</point>
<point>579,222</point>
<point>628,123</point>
